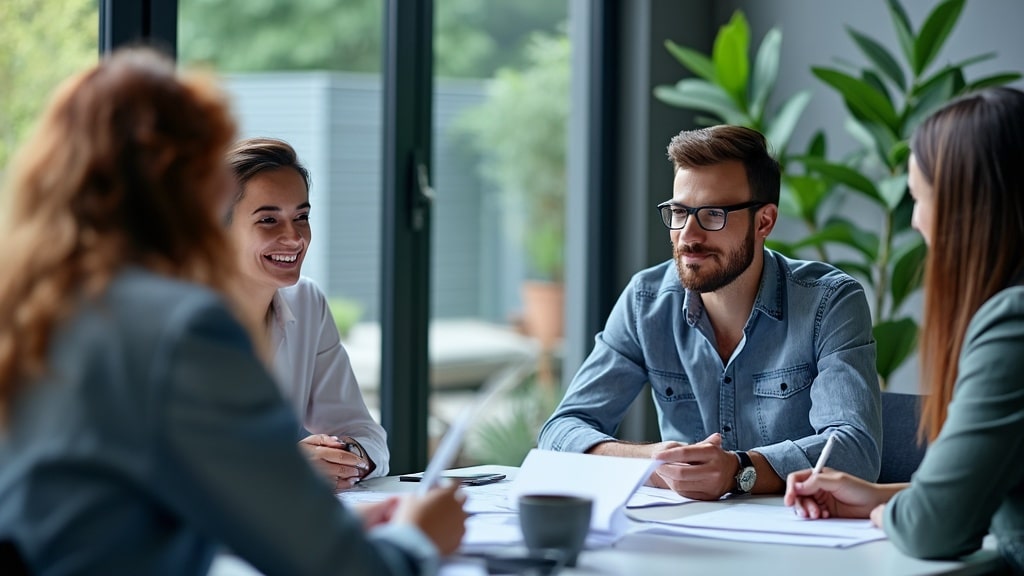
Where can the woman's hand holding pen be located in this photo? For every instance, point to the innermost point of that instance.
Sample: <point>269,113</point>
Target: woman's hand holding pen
<point>332,457</point>
<point>833,494</point>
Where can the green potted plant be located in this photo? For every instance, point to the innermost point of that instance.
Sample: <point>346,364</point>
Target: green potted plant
<point>520,131</point>
<point>885,99</point>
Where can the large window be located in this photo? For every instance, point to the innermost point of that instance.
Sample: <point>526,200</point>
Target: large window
<point>310,73</point>
<point>501,101</point>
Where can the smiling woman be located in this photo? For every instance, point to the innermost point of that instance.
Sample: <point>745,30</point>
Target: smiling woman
<point>269,225</point>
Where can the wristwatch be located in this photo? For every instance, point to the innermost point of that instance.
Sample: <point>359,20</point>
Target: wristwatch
<point>351,445</point>
<point>747,475</point>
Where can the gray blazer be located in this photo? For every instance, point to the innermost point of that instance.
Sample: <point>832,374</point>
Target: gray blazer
<point>155,436</point>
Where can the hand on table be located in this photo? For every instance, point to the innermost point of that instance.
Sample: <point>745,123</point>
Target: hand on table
<point>703,471</point>
<point>328,455</point>
<point>833,494</point>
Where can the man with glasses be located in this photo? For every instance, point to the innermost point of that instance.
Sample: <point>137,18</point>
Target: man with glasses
<point>754,359</point>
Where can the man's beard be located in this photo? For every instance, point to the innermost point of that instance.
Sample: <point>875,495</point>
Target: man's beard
<point>697,277</point>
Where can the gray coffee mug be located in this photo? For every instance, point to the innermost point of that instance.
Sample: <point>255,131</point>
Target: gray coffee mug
<point>552,522</point>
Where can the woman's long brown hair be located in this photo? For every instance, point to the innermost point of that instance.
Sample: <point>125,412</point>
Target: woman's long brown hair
<point>126,166</point>
<point>972,154</point>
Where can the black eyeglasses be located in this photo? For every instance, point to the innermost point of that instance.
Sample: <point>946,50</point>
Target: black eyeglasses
<point>710,218</point>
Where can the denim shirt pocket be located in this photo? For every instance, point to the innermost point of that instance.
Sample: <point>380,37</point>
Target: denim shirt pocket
<point>680,413</point>
<point>784,403</point>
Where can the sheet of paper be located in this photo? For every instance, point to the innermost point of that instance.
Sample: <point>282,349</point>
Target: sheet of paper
<point>609,480</point>
<point>777,524</point>
<point>648,496</point>
<point>489,498</point>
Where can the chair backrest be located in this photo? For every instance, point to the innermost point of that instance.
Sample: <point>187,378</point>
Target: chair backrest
<point>901,452</point>
<point>11,562</point>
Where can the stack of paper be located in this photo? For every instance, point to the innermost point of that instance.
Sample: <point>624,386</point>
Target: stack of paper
<point>770,524</point>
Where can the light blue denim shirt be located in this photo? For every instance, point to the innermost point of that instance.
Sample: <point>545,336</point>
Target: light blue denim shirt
<point>804,369</point>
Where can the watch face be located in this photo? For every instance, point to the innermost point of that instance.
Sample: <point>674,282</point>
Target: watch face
<point>746,479</point>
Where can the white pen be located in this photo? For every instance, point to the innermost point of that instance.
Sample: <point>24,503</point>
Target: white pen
<point>824,453</point>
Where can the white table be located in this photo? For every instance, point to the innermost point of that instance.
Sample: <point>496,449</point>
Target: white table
<point>655,555</point>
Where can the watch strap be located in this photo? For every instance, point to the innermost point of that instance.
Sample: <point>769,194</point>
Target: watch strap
<point>745,464</point>
<point>745,461</point>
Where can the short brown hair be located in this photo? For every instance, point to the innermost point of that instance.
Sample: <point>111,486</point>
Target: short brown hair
<point>717,144</point>
<point>250,156</point>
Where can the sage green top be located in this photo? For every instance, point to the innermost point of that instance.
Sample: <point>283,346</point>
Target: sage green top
<point>971,480</point>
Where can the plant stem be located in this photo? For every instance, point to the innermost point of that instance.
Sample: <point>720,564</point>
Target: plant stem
<point>884,248</point>
<point>812,229</point>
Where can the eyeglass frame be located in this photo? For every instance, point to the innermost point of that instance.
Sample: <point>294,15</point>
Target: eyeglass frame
<point>693,212</point>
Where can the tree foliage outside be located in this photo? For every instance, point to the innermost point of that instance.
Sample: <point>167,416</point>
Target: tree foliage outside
<point>528,166</point>
<point>472,38</point>
<point>42,42</point>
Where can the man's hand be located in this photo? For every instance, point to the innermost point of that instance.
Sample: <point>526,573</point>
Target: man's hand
<point>702,471</point>
<point>329,456</point>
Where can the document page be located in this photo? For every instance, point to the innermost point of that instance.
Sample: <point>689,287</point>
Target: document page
<point>609,480</point>
<point>777,524</point>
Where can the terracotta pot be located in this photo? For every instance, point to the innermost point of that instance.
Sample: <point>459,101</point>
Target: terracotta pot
<point>544,311</point>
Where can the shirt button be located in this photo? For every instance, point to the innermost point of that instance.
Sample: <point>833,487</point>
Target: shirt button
<point>783,386</point>
<point>727,380</point>
<point>726,429</point>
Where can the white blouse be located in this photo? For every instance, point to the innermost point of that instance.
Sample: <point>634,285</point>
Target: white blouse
<point>314,373</point>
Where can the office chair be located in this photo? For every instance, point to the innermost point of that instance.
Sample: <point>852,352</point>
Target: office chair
<point>11,562</point>
<point>901,452</point>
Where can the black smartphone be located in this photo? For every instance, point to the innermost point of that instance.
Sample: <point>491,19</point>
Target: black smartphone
<point>530,564</point>
<point>464,479</point>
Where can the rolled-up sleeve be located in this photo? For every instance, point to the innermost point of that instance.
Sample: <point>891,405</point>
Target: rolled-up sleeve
<point>603,388</point>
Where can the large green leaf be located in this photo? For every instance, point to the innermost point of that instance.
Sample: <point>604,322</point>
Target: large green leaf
<point>904,31</point>
<point>844,175</point>
<point>697,94</point>
<point>871,78</point>
<point>766,70</point>
<point>899,154</point>
<point>730,57</point>
<point>936,93</point>
<point>789,203</point>
<point>894,343</point>
<point>692,60</point>
<point>955,68</point>
<point>880,57</point>
<point>934,31</point>
<point>846,233</point>
<point>883,140</point>
<point>993,80</point>
<point>807,192</point>
<point>902,216</point>
<point>907,272</point>
<point>818,145</point>
<point>862,98</point>
<point>892,190</point>
<point>785,121</point>
<point>781,247</point>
